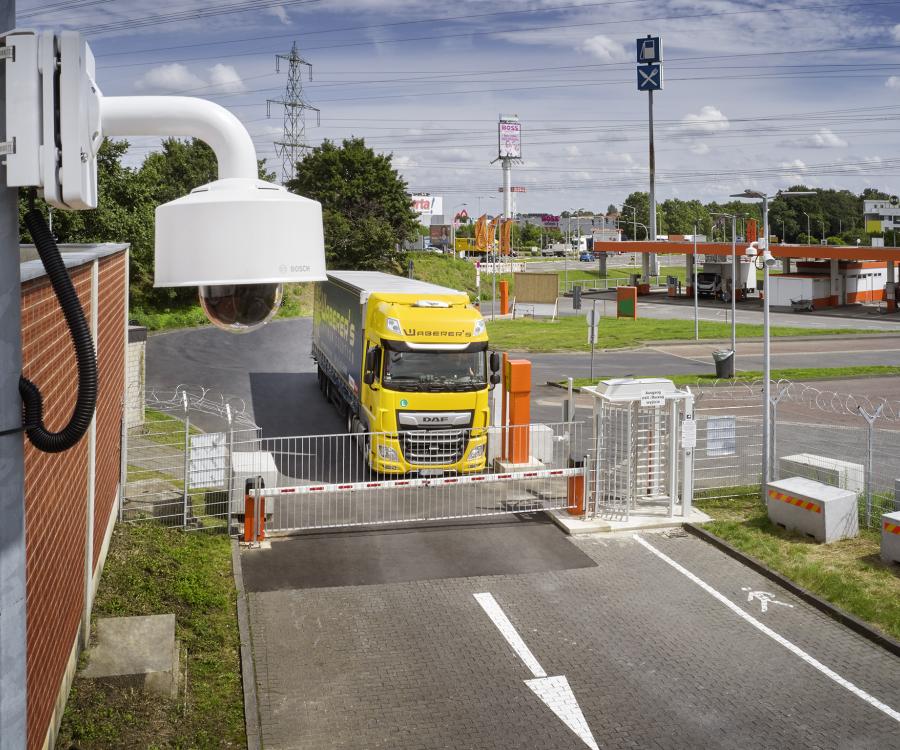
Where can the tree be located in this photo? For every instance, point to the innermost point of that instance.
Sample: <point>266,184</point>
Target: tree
<point>365,205</point>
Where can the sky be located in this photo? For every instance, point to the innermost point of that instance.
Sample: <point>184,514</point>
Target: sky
<point>757,94</point>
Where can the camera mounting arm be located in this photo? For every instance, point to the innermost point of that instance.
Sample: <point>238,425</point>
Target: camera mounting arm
<point>180,116</point>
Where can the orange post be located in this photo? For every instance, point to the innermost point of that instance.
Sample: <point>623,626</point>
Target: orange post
<point>575,494</point>
<point>518,388</point>
<point>504,298</point>
<point>251,533</point>
<point>752,233</point>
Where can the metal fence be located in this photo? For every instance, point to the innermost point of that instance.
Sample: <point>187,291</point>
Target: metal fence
<point>840,439</point>
<point>176,457</point>
<point>323,481</point>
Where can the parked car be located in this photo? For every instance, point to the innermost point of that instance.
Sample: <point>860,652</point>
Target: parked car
<point>586,257</point>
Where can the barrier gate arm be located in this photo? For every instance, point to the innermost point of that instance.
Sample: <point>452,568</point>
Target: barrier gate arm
<point>311,489</point>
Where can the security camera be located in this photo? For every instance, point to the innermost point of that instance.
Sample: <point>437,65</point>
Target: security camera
<point>238,239</point>
<point>768,259</point>
<point>752,250</point>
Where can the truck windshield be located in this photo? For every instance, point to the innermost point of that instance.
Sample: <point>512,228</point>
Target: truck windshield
<point>434,371</point>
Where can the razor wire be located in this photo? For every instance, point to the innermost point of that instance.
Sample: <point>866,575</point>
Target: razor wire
<point>183,398</point>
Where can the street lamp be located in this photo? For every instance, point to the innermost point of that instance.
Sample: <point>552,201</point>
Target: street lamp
<point>822,221</point>
<point>634,219</point>
<point>767,358</point>
<point>734,275</point>
<point>808,235</point>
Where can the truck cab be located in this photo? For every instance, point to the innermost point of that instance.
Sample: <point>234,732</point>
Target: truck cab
<point>417,380</point>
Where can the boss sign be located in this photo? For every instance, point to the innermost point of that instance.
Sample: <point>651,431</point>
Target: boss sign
<point>510,139</point>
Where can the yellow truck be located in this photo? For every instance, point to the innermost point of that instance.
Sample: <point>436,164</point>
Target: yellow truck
<point>407,365</point>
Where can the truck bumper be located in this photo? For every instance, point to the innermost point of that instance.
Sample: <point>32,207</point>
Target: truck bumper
<point>386,457</point>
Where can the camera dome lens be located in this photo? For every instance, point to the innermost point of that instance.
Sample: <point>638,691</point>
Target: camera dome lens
<point>239,308</point>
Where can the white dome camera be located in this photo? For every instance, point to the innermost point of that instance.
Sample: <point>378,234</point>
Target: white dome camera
<point>238,239</point>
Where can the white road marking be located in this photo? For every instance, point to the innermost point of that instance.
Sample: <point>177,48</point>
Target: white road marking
<point>499,618</point>
<point>555,692</point>
<point>796,650</point>
<point>765,598</point>
<point>559,698</point>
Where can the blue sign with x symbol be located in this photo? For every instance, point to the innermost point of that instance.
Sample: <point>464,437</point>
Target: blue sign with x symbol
<point>649,77</point>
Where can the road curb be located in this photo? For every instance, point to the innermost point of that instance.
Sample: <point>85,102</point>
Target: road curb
<point>836,613</point>
<point>248,670</point>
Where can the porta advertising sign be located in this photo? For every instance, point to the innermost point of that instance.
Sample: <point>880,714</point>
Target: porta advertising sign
<point>427,205</point>
<point>510,132</point>
<point>550,220</point>
<point>440,235</point>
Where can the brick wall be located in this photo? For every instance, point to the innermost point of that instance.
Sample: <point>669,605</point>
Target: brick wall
<point>56,485</point>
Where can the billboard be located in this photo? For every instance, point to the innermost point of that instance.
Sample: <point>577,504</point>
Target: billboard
<point>427,205</point>
<point>550,220</point>
<point>440,235</point>
<point>510,137</point>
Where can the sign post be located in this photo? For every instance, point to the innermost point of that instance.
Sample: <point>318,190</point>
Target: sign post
<point>593,332</point>
<point>650,79</point>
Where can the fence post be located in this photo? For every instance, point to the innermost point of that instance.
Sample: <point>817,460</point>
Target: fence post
<point>186,473</point>
<point>773,435</point>
<point>870,420</point>
<point>229,487</point>
<point>123,461</point>
<point>688,446</point>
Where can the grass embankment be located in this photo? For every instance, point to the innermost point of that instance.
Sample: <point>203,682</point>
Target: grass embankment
<point>570,333</point>
<point>790,373</point>
<point>849,573</point>
<point>153,570</point>
<point>297,302</point>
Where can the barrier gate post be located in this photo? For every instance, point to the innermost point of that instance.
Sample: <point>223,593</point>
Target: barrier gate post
<point>518,388</point>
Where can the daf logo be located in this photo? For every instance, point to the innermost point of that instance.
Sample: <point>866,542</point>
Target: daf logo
<point>426,420</point>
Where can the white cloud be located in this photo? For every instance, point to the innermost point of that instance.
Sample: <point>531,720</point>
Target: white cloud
<point>572,151</point>
<point>895,32</point>
<point>826,138</point>
<point>699,148</point>
<point>280,13</point>
<point>604,48</point>
<point>796,164</point>
<point>226,78</point>
<point>707,120</point>
<point>893,82</point>
<point>170,79</point>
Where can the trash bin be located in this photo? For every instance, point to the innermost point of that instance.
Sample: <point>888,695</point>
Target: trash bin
<point>724,359</point>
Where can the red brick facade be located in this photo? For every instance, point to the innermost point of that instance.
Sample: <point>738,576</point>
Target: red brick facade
<point>56,485</point>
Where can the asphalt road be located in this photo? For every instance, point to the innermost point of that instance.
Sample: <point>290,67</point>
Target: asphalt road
<point>271,369</point>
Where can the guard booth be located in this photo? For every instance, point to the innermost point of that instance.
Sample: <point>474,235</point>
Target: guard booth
<point>641,462</point>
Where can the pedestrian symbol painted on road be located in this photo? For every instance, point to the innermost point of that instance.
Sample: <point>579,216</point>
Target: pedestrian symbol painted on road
<point>649,77</point>
<point>764,598</point>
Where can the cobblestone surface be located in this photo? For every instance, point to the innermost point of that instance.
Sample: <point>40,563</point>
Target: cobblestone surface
<point>654,661</point>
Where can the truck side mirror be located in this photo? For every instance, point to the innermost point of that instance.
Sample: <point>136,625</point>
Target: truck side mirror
<point>495,364</point>
<point>495,378</point>
<point>369,377</point>
<point>372,361</point>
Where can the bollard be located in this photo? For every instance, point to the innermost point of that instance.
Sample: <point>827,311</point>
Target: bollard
<point>254,517</point>
<point>575,489</point>
<point>504,298</point>
<point>517,384</point>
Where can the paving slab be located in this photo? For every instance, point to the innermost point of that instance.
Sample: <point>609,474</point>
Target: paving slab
<point>652,659</point>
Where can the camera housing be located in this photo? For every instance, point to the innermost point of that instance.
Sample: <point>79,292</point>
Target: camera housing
<point>240,308</point>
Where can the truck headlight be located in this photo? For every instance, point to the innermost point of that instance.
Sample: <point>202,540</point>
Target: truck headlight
<point>393,325</point>
<point>478,328</point>
<point>386,453</point>
<point>476,452</point>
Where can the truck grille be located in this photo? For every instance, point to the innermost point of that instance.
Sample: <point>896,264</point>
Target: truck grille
<point>433,447</point>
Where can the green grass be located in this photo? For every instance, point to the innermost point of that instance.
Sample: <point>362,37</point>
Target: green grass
<point>848,573</point>
<point>570,333</point>
<point>165,429</point>
<point>154,570</point>
<point>790,373</point>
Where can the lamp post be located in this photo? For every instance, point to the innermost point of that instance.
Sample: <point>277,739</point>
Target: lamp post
<point>767,358</point>
<point>734,275</point>
<point>696,293</point>
<point>634,220</point>
<point>823,230</point>
<point>807,225</point>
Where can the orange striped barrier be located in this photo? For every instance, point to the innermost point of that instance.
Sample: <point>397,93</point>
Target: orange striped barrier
<point>892,528</point>
<point>791,500</point>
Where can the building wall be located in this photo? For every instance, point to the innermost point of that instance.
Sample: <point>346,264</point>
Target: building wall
<point>56,485</point>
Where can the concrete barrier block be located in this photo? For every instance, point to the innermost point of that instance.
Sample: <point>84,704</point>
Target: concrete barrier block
<point>819,510</point>
<point>844,474</point>
<point>890,537</point>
